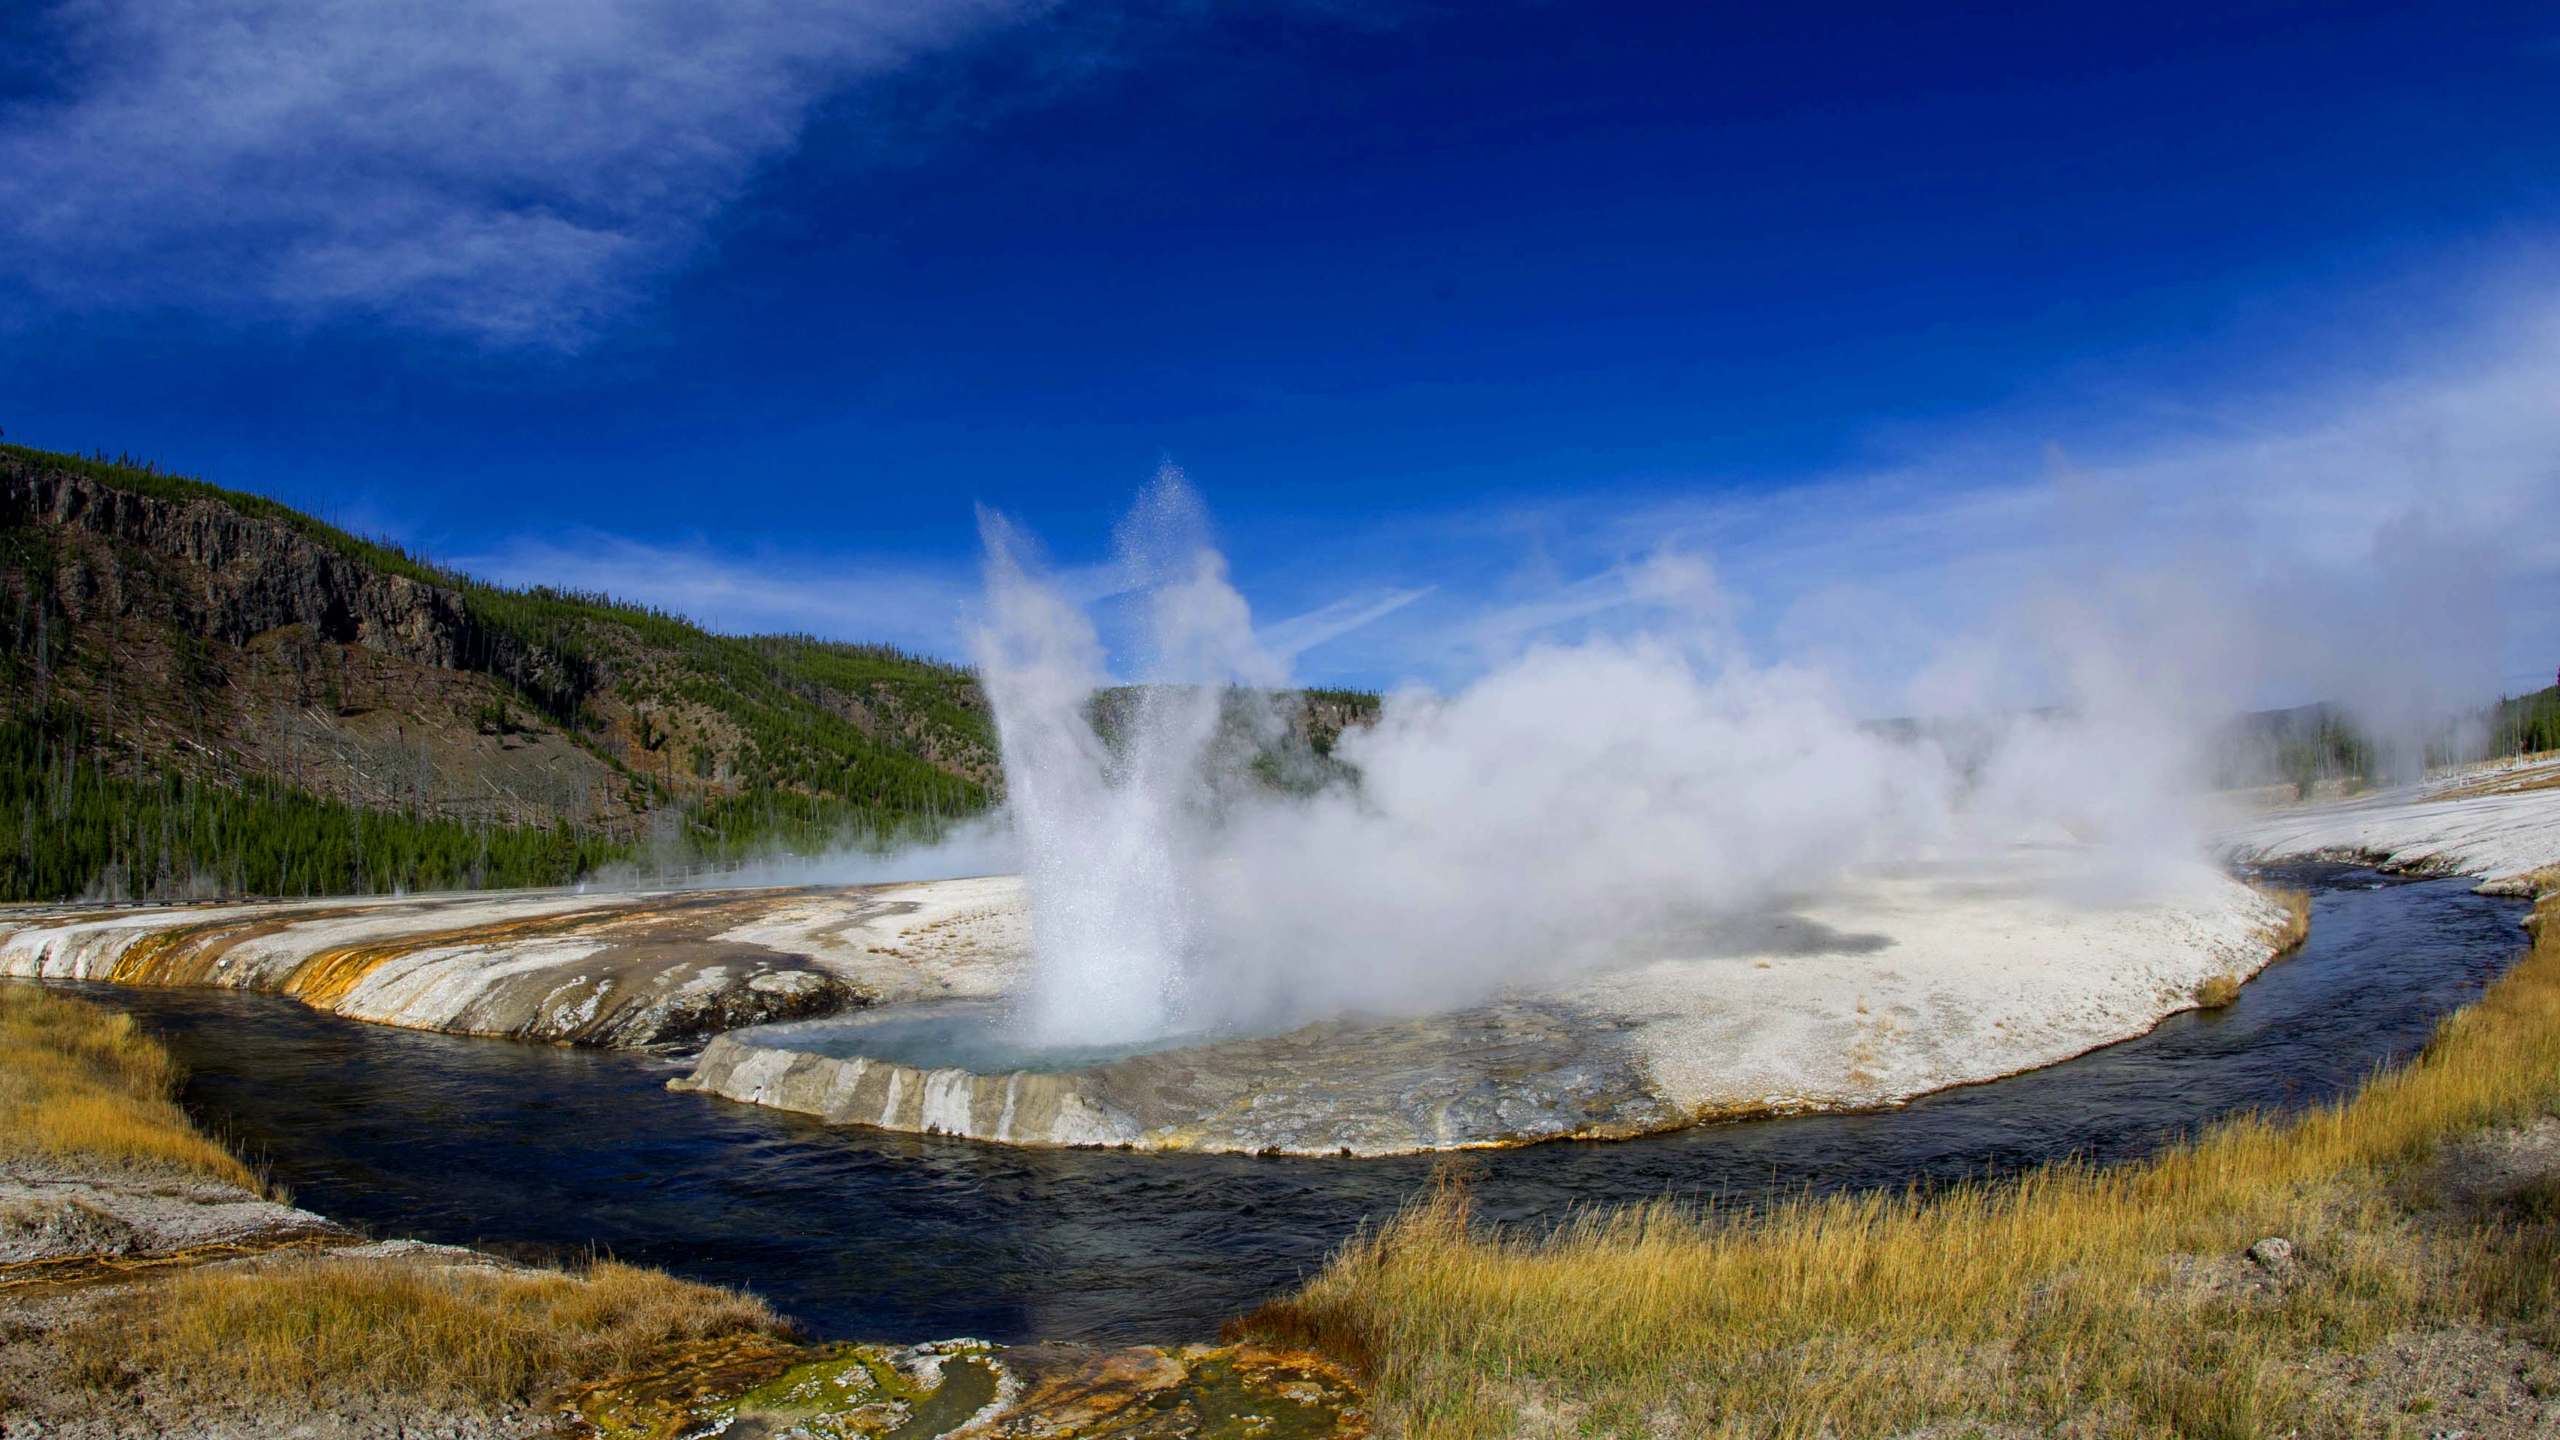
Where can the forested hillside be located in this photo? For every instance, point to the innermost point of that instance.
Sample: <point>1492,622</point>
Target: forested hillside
<point>2525,724</point>
<point>209,692</point>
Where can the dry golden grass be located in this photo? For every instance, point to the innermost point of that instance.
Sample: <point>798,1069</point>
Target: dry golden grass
<point>2294,926</point>
<point>2077,1301</point>
<point>2282,936</point>
<point>78,1083</point>
<point>324,1328</point>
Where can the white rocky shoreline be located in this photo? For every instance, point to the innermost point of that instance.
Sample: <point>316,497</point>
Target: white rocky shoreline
<point>2498,822</point>
<point>624,970</point>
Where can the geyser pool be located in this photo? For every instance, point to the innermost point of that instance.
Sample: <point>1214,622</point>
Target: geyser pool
<point>1507,1072</point>
<point>983,1037</point>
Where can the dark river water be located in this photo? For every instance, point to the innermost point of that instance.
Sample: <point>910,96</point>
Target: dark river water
<point>535,1150</point>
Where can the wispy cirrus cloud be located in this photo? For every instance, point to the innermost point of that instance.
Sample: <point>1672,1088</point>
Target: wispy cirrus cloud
<point>2393,516</point>
<point>510,172</point>
<point>1297,634</point>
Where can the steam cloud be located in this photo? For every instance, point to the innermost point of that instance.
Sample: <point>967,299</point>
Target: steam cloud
<point>1576,806</point>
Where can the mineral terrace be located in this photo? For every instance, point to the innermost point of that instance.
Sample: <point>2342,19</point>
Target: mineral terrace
<point>632,970</point>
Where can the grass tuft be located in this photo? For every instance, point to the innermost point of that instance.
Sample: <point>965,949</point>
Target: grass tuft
<point>316,1327</point>
<point>78,1083</point>
<point>2293,926</point>
<point>2216,991</point>
<point>2076,1299</point>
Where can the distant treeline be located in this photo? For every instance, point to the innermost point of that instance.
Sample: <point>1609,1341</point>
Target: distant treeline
<point>87,831</point>
<point>2527,724</point>
<point>2314,744</point>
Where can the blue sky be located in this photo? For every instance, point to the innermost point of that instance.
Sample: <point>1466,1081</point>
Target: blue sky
<point>1462,317</point>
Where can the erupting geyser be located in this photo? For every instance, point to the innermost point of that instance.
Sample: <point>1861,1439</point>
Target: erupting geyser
<point>1100,819</point>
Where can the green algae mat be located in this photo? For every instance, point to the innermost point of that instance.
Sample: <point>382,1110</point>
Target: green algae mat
<point>756,1389</point>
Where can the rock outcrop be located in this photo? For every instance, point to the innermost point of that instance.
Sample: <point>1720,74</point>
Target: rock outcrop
<point>154,624</point>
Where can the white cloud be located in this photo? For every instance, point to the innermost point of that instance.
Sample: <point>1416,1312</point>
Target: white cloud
<point>511,170</point>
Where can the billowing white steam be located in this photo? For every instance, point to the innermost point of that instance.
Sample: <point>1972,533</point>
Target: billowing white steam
<point>1576,806</point>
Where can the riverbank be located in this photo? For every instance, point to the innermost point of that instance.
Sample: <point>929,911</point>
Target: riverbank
<point>2386,1265</point>
<point>2499,822</point>
<point>1057,1196</point>
<point>553,1152</point>
<point>150,1285</point>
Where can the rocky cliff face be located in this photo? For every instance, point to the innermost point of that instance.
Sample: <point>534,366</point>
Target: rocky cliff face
<point>189,634</point>
<point>232,577</point>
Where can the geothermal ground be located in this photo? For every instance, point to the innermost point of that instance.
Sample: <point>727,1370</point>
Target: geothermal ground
<point>1909,981</point>
<point>1921,976</point>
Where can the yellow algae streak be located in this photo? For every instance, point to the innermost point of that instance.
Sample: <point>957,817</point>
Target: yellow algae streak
<point>328,977</point>
<point>186,955</point>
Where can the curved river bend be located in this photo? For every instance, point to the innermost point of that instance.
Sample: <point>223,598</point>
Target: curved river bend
<point>542,1151</point>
